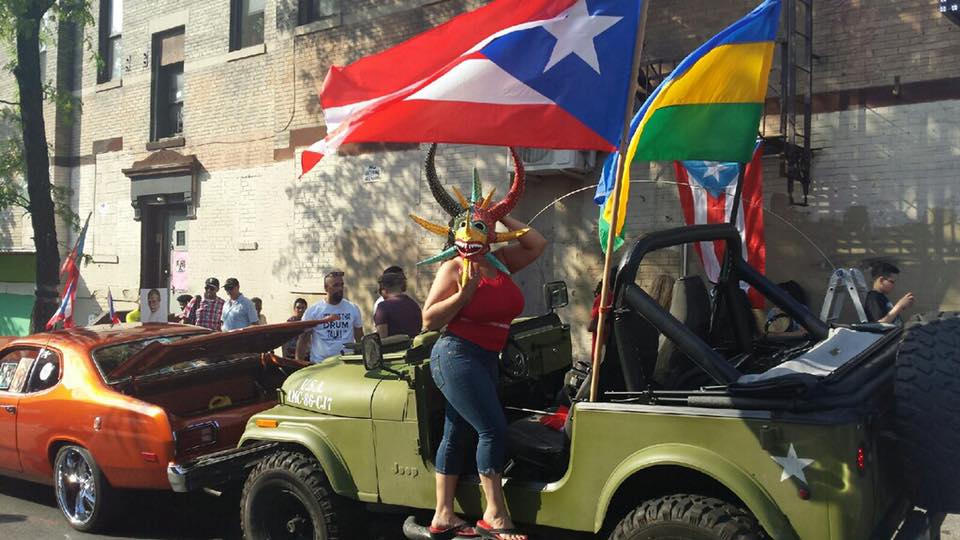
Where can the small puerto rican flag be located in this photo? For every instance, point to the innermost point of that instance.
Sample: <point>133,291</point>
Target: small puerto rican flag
<point>114,319</point>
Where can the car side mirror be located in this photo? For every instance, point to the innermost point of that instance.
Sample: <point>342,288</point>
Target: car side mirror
<point>555,295</point>
<point>372,351</point>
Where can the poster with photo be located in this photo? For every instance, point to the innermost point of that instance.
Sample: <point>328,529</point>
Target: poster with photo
<point>154,305</point>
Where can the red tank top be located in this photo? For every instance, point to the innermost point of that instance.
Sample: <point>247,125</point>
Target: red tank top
<point>486,319</point>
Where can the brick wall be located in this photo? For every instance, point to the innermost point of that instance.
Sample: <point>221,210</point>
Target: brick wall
<point>883,176</point>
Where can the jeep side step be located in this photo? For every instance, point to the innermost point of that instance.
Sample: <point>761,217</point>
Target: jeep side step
<point>414,531</point>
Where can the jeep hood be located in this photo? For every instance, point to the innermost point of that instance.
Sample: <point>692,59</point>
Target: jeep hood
<point>214,346</point>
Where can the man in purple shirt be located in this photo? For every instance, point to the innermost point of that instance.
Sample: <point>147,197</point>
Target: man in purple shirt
<point>398,313</point>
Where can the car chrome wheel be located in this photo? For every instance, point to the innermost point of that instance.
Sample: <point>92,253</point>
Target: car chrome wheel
<point>76,487</point>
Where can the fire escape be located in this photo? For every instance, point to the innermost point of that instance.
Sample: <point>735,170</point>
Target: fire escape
<point>790,137</point>
<point>789,96</point>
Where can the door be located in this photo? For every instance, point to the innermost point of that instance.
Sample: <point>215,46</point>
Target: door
<point>158,233</point>
<point>14,366</point>
<point>179,263</point>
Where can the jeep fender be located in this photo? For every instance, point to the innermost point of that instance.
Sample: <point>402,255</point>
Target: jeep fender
<point>314,441</point>
<point>709,464</point>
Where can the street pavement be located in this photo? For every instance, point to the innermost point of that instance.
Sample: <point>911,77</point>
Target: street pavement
<point>29,512</point>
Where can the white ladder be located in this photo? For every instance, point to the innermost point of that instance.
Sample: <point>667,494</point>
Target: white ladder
<point>844,282</point>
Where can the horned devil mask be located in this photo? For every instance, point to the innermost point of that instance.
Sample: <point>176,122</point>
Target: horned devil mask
<point>473,224</point>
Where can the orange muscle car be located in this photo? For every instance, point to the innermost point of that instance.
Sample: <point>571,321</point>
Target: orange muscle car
<point>101,408</point>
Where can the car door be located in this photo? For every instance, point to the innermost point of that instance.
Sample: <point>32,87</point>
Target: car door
<point>14,366</point>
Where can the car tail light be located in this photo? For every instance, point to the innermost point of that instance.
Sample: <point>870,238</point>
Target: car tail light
<point>196,436</point>
<point>861,459</point>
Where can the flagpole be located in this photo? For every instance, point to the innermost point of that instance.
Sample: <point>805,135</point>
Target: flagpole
<point>737,194</point>
<point>618,180</point>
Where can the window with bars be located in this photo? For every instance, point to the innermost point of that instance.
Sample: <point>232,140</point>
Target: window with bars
<point>312,10</point>
<point>168,85</point>
<point>246,23</point>
<point>111,44</point>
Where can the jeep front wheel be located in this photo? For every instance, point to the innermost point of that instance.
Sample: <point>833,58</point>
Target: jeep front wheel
<point>687,517</point>
<point>288,496</point>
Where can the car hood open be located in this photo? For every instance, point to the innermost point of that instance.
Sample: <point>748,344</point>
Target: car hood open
<point>253,339</point>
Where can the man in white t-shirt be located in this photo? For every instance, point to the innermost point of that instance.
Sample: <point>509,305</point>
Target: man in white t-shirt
<point>327,338</point>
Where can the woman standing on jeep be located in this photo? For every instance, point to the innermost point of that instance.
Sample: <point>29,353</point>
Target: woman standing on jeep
<point>477,315</point>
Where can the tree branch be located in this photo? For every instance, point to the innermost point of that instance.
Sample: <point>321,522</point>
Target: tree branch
<point>11,103</point>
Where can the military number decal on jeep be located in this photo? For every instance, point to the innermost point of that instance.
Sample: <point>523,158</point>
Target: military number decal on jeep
<point>311,395</point>
<point>400,470</point>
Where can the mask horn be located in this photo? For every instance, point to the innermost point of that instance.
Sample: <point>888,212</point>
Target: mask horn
<point>504,207</point>
<point>448,203</point>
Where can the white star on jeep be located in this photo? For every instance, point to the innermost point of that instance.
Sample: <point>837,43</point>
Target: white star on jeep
<point>792,465</point>
<point>575,29</point>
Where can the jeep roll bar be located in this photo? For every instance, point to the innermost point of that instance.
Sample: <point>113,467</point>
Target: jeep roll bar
<point>735,269</point>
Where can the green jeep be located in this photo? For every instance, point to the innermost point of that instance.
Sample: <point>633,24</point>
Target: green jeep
<point>703,427</point>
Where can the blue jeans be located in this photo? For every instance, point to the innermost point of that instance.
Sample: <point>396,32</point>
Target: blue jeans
<point>466,374</point>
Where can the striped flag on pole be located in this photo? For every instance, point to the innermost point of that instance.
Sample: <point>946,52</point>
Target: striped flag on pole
<point>71,269</point>
<point>707,191</point>
<point>114,319</point>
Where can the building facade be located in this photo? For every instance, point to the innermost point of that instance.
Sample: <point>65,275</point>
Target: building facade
<point>186,155</point>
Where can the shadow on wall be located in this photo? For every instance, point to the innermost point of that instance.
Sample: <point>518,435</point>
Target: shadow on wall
<point>926,250</point>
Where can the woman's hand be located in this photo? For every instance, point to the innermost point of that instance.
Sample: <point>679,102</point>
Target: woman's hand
<point>465,291</point>
<point>526,250</point>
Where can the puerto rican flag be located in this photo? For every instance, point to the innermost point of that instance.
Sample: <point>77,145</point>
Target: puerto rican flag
<point>71,269</point>
<point>536,73</point>
<point>706,194</point>
<point>114,318</point>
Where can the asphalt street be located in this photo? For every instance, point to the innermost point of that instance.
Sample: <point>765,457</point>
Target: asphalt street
<point>29,512</point>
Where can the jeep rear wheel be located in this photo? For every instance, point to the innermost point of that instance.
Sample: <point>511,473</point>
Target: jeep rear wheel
<point>927,389</point>
<point>288,496</point>
<point>691,517</point>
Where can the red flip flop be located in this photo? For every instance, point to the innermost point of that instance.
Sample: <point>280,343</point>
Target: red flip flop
<point>463,530</point>
<point>487,531</point>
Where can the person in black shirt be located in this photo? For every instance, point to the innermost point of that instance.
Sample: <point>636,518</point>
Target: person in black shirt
<point>877,306</point>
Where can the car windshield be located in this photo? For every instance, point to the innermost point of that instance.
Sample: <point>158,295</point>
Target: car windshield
<point>113,356</point>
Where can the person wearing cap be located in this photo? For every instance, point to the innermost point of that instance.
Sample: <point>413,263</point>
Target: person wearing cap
<point>398,313</point>
<point>238,312</point>
<point>342,322</point>
<point>381,293</point>
<point>205,311</point>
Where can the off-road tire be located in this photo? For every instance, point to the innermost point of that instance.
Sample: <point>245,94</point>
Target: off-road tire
<point>76,479</point>
<point>693,517</point>
<point>927,390</point>
<point>286,495</point>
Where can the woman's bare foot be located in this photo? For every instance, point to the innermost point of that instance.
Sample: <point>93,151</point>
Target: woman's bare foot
<point>503,522</point>
<point>446,520</point>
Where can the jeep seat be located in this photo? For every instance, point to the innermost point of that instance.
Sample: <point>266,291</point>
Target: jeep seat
<point>691,306</point>
<point>537,445</point>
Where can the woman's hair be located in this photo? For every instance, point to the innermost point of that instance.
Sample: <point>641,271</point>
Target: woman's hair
<point>662,290</point>
<point>153,292</point>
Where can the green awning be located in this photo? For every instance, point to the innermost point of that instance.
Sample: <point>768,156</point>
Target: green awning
<point>15,314</point>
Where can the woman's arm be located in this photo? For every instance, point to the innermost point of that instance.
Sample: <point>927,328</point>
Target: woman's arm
<point>446,298</point>
<point>528,247</point>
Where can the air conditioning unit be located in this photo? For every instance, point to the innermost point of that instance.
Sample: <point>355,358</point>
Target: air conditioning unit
<point>540,161</point>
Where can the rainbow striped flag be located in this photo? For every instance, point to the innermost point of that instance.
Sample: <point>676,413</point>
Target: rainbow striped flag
<point>707,109</point>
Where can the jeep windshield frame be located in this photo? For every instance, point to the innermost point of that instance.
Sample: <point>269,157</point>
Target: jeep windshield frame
<point>627,293</point>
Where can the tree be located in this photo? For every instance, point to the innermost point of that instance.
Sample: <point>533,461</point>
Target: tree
<point>29,156</point>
